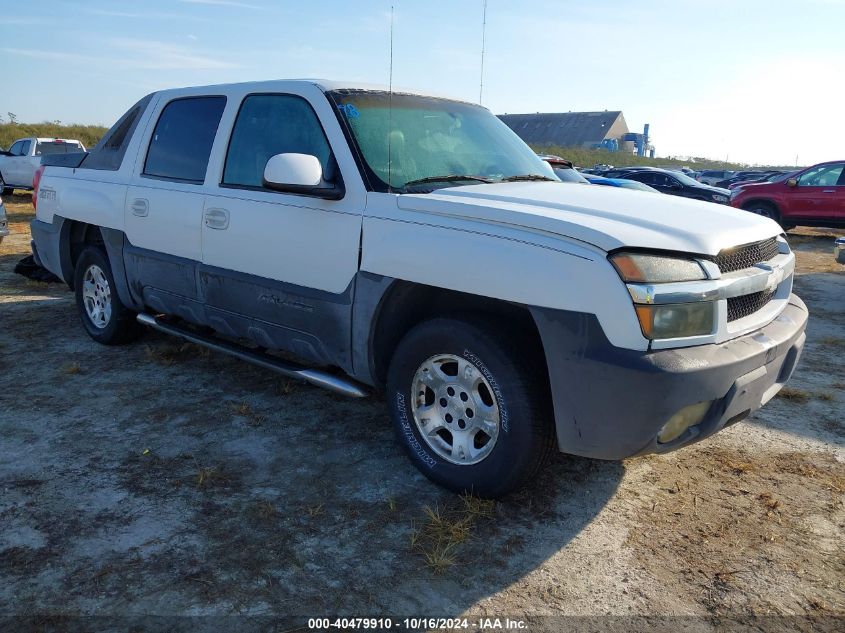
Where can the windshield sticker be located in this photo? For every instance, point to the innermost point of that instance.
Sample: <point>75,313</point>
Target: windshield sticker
<point>349,110</point>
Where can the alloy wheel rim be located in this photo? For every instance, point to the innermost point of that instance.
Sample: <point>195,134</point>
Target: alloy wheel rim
<point>96,295</point>
<point>455,409</point>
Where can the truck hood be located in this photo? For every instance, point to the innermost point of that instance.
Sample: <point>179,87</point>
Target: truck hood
<point>606,217</point>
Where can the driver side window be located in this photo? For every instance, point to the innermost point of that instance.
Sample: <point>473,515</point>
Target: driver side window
<point>271,124</point>
<point>15,149</point>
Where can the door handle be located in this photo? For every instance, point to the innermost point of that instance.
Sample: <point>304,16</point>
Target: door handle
<point>217,219</point>
<point>140,207</point>
<point>828,190</point>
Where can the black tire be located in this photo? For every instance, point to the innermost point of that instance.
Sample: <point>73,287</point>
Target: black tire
<point>5,191</point>
<point>120,326</point>
<point>514,368</point>
<point>766,209</point>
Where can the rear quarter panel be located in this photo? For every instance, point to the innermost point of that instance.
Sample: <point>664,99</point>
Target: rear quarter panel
<point>78,196</point>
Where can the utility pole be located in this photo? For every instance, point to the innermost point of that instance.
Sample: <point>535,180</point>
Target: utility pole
<point>483,38</point>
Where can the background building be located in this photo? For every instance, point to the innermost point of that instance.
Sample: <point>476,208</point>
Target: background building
<point>606,129</point>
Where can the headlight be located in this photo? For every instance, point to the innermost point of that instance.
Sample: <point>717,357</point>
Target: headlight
<point>717,197</point>
<point>661,321</point>
<point>677,320</point>
<point>655,269</point>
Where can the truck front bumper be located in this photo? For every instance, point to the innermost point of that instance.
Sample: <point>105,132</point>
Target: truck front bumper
<point>612,403</point>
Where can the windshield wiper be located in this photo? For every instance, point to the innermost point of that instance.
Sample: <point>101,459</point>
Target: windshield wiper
<point>446,178</point>
<point>527,177</point>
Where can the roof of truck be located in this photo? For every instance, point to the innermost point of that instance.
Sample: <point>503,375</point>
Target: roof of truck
<point>326,85</point>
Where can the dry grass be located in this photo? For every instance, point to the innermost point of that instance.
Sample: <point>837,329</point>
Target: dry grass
<point>246,410</point>
<point>740,520</point>
<point>265,510</point>
<point>71,369</point>
<point>833,341</point>
<point>286,387</point>
<point>210,477</point>
<point>792,394</point>
<point>170,353</point>
<point>315,511</point>
<point>444,529</point>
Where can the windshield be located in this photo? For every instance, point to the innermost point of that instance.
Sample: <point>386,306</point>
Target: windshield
<point>404,139</point>
<point>685,179</point>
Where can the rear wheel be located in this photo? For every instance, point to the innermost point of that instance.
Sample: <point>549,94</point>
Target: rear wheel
<point>471,406</point>
<point>6,191</point>
<point>103,315</point>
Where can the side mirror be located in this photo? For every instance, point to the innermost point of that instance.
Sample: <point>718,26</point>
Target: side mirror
<point>792,182</point>
<point>299,173</point>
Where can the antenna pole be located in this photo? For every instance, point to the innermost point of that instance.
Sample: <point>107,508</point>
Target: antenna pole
<point>483,37</point>
<point>390,108</point>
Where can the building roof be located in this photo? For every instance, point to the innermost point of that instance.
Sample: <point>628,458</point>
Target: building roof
<point>567,128</point>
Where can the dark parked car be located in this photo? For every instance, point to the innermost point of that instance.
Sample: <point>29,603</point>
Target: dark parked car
<point>747,176</point>
<point>814,196</point>
<point>712,176</point>
<point>675,183</point>
<point>775,176</point>
<point>619,172</point>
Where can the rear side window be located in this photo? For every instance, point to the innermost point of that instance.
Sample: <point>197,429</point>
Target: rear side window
<point>182,139</point>
<point>109,152</point>
<point>647,177</point>
<point>268,125</point>
<point>24,150</point>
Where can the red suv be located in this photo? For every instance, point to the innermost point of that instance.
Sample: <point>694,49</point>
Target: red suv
<point>814,196</point>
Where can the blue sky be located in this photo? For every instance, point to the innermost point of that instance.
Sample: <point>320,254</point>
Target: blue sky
<point>751,80</point>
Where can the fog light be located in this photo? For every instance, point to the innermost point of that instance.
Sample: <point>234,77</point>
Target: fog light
<point>681,421</point>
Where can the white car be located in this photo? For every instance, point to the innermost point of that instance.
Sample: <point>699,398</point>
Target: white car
<point>410,244</point>
<point>18,164</point>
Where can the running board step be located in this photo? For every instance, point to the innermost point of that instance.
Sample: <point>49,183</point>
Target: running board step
<point>292,370</point>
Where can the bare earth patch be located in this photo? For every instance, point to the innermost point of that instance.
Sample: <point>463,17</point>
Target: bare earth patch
<point>159,478</point>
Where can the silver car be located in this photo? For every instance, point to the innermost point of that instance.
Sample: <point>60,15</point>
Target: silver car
<point>839,249</point>
<point>4,222</point>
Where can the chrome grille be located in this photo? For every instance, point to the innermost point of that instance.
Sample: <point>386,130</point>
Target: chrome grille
<point>746,256</point>
<point>739,307</point>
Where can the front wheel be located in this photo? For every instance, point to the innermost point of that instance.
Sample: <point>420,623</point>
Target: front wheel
<point>103,315</point>
<point>763,208</point>
<point>471,405</point>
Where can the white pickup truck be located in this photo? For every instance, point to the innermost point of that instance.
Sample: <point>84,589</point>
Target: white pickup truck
<point>413,244</point>
<point>18,164</point>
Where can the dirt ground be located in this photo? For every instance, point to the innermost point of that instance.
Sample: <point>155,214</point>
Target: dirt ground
<point>159,478</point>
